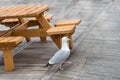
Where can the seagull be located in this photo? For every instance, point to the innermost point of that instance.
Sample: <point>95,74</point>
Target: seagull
<point>61,55</point>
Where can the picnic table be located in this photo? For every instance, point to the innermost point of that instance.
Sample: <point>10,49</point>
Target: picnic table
<point>23,13</point>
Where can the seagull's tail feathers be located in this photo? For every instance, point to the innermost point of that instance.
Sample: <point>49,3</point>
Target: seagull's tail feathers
<point>47,65</point>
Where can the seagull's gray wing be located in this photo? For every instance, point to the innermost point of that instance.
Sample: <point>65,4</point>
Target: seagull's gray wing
<point>59,56</point>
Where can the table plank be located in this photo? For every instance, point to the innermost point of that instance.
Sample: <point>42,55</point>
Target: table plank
<point>16,40</point>
<point>13,10</point>
<point>3,10</point>
<point>22,11</point>
<point>29,9</point>
<point>39,10</point>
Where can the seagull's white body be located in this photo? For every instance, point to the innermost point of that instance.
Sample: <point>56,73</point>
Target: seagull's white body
<point>61,55</point>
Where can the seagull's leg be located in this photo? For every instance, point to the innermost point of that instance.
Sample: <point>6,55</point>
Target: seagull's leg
<point>49,67</point>
<point>62,64</point>
<point>61,67</point>
<point>67,62</point>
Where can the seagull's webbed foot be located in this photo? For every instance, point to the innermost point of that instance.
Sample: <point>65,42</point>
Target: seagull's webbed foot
<point>61,68</point>
<point>67,62</point>
<point>48,65</point>
<point>64,64</point>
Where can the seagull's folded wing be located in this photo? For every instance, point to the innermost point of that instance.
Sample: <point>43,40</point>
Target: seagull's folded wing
<point>59,56</point>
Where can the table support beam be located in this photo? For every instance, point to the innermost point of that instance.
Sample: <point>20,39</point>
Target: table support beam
<point>46,25</point>
<point>21,20</point>
<point>30,33</point>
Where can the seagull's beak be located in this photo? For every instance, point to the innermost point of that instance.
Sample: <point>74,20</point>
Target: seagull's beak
<point>69,39</point>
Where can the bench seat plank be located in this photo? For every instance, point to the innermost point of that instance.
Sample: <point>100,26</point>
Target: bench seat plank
<point>10,41</point>
<point>67,22</point>
<point>61,30</point>
<point>16,40</point>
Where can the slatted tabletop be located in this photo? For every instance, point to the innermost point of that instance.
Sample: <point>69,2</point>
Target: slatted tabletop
<point>22,11</point>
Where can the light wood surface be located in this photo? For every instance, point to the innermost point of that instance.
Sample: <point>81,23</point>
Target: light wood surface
<point>30,33</point>
<point>10,41</point>
<point>61,30</point>
<point>6,45</point>
<point>32,21</point>
<point>22,11</point>
<point>67,22</point>
<point>8,60</point>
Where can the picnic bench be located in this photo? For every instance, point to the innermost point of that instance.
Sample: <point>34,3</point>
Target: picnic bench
<point>20,18</point>
<point>64,28</point>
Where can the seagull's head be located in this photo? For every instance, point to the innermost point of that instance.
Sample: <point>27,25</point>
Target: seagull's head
<point>65,43</point>
<point>65,39</point>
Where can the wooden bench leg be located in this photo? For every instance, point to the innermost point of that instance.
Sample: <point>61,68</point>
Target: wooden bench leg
<point>27,39</point>
<point>70,42</point>
<point>57,40</point>
<point>8,60</point>
<point>42,38</point>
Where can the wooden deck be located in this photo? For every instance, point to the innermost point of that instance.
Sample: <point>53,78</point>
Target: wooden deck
<point>96,55</point>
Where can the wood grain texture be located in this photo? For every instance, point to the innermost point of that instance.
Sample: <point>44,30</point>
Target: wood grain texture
<point>8,60</point>
<point>67,22</point>
<point>69,29</point>
<point>23,10</point>
<point>30,33</point>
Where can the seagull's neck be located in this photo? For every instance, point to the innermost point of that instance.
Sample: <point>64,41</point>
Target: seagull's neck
<point>65,46</point>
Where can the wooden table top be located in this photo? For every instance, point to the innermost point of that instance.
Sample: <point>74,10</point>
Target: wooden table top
<point>22,11</point>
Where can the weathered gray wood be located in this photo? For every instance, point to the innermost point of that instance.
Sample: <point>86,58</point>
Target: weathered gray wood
<point>96,54</point>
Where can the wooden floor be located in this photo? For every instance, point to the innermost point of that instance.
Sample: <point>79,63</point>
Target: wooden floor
<point>96,53</point>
